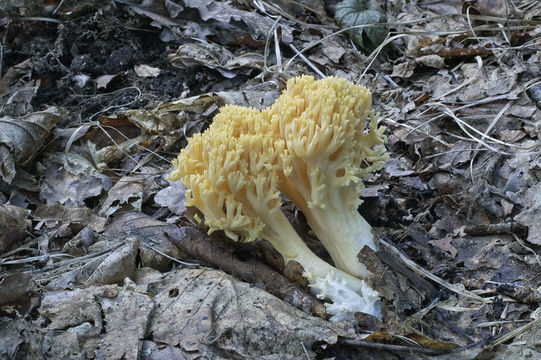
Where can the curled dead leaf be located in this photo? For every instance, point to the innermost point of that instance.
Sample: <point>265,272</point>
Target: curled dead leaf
<point>215,57</point>
<point>21,138</point>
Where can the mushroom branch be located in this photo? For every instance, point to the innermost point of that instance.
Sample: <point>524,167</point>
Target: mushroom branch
<point>232,173</point>
<point>330,148</point>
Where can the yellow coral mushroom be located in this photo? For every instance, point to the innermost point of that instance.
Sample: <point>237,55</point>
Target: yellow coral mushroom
<point>232,172</point>
<point>329,151</point>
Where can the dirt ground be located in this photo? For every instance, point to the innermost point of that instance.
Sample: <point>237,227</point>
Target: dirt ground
<point>99,257</point>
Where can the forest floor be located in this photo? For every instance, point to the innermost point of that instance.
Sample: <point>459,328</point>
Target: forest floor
<point>99,257</point>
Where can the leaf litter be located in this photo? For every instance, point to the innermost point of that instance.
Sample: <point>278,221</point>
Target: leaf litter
<point>99,256</point>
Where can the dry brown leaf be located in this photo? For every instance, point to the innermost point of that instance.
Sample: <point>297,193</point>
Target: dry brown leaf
<point>126,318</point>
<point>170,122</point>
<point>76,217</point>
<point>155,235</point>
<point>16,289</point>
<point>116,266</point>
<point>12,225</point>
<point>183,308</point>
<point>497,8</point>
<point>78,311</point>
<point>443,7</point>
<point>78,245</point>
<point>21,138</point>
<point>12,75</point>
<point>155,351</point>
<point>192,55</point>
<point>60,185</point>
<point>172,197</point>
<point>223,20</point>
<point>107,262</point>
<point>240,319</point>
<point>13,339</point>
<point>125,195</point>
<point>531,215</point>
<point>146,71</point>
<point>445,244</point>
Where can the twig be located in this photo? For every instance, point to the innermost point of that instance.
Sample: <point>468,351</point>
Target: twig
<point>40,258</point>
<point>390,347</point>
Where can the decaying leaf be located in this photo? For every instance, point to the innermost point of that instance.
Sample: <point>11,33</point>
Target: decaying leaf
<point>107,262</point>
<point>12,225</point>
<point>499,8</point>
<point>146,71</point>
<point>154,236</point>
<point>192,55</point>
<point>241,319</point>
<point>362,13</point>
<point>116,266</point>
<point>76,218</point>
<point>79,244</point>
<point>171,122</point>
<point>445,244</point>
<point>16,289</point>
<point>530,218</point>
<point>221,19</point>
<point>77,311</point>
<point>13,339</point>
<point>107,321</point>
<point>200,312</point>
<point>172,197</point>
<point>126,195</point>
<point>61,186</point>
<point>21,138</point>
<point>10,81</point>
<point>126,318</point>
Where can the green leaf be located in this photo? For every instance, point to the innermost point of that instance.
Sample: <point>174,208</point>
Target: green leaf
<point>360,12</point>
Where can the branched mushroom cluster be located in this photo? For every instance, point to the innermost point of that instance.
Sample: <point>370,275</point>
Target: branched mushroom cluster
<point>313,146</point>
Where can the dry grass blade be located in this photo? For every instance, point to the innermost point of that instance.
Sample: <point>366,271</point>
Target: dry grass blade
<point>514,333</point>
<point>186,263</point>
<point>463,125</point>
<point>308,62</point>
